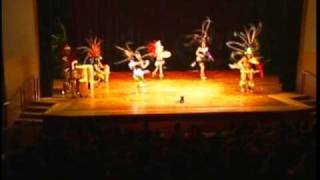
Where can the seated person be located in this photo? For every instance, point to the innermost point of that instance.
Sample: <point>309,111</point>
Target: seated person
<point>101,72</point>
<point>93,55</point>
<point>70,75</point>
<point>75,80</point>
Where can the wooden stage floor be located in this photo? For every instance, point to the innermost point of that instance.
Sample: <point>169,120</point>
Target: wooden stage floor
<point>218,94</point>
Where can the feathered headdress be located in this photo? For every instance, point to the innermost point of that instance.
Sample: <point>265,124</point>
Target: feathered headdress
<point>247,45</point>
<point>151,47</point>
<point>129,53</point>
<point>200,35</point>
<point>93,50</point>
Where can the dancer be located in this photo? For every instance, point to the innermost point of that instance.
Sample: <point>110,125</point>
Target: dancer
<point>202,56</point>
<point>93,56</point>
<point>202,53</point>
<point>156,51</point>
<point>136,62</point>
<point>246,56</point>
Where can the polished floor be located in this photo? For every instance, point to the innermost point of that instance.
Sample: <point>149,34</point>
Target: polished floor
<point>219,93</point>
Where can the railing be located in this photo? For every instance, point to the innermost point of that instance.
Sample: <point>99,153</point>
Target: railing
<point>29,91</point>
<point>304,75</point>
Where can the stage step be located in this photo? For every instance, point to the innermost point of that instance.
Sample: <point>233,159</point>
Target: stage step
<point>31,115</point>
<point>28,120</point>
<point>42,103</point>
<point>310,102</point>
<point>301,97</point>
<point>34,108</point>
<point>305,99</point>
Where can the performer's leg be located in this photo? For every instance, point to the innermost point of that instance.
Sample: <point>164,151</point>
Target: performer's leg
<point>135,77</point>
<point>161,75</point>
<point>66,81</point>
<point>154,73</point>
<point>250,82</point>
<point>202,69</point>
<point>242,82</point>
<point>73,88</point>
<point>141,81</point>
<point>102,76</point>
<point>99,76</point>
<point>78,87</point>
<point>107,72</point>
<point>242,85</point>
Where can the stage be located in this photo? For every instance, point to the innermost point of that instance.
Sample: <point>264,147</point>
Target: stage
<point>218,94</point>
<point>212,104</point>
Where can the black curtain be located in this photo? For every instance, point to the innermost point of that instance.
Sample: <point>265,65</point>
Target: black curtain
<point>3,87</point>
<point>4,122</point>
<point>140,21</point>
<point>50,12</point>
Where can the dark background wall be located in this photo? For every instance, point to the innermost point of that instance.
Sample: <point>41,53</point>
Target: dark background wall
<point>140,21</point>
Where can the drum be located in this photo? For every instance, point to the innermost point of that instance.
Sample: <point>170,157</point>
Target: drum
<point>86,73</point>
<point>84,89</point>
<point>82,70</point>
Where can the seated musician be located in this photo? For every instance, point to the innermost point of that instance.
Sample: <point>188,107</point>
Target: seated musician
<point>70,75</point>
<point>93,55</point>
<point>101,72</point>
<point>75,80</point>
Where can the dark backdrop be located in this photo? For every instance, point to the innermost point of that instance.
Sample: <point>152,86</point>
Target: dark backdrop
<point>139,21</point>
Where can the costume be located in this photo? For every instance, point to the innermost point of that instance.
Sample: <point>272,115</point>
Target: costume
<point>157,52</point>
<point>246,57</point>
<point>202,53</point>
<point>93,56</point>
<point>136,62</point>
